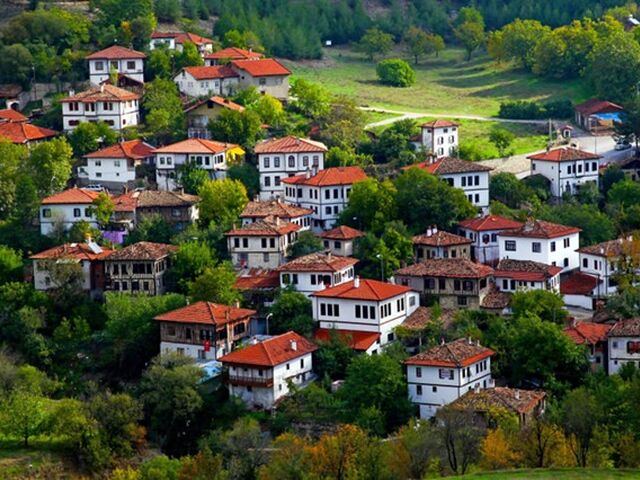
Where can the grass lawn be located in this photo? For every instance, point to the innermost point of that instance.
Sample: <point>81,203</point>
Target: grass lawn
<point>446,84</point>
<point>554,474</point>
<point>372,117</point>
<point>43,457</point>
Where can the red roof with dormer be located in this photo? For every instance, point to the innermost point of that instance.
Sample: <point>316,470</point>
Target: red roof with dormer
<point>115,52</point>
<point>363,289</point>
<point>21,133</point>
<point>489,223</point>
<point>329,176</point>
<point>264,67</point>
<point>72,196</point>
<point>271,352</point>
<point>206,313</point>
<point>135,149</point>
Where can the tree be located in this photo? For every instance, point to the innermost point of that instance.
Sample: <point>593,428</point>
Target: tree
<point>269,109</point>
<point>333,357</point>
<point>396,72</point>
<point>24,415</point>
<point>289,461</point>
<point>12,159</point>
<point>15,64</point>
<point>244,447</point>
<point>497,452</point>
<point>471,36</point>
<point>371,204</point>
<point>191,177</point>
<point>417,43</point>
<point>374,42</point>
<point>469,14</point>
<point>614,67</point>
<point>118,416</point>
<point>310,99</point>
<point>152,228</point>
<point>380,257</point>
<point>190,261</point>
<point>579,416</point>
<point>245,39</point>
<point>243,128</point>
<point>89,136</point>
<point>291,310</point>
<point>506,188</point>
<point>188,57</point>
<point>160,61</point>
<point>630,125</point>
<point>596,225</point>
<point>460,432</point>
<point>547,305</point>
<point>215,284</point>
<point>519,40</point>
<point>542,444</point>
<point>343,125</point>
<point>222,201</point>
<point>103,208</point>
<point>165,116</point>
<point>306,243</point>
<point>415,447</point>
<point>203,466</point>
<point>50,165</point>
<point>10,265</point>
<point>502,139</point>
<point>248,175</point>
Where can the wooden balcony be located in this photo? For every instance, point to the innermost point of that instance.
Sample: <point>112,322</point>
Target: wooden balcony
<point>249,380</point>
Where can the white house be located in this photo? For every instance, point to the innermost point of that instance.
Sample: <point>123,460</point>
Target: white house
<point>566,169</point>
<point>67,208</point>
<point>442,374</point>
<point>261,244</point>
<point>125,61</point>
<point>517,275</point>
<point>439,137</point>
<point>471,177</point>
<point>279,158</point>
<point>623,344</point>
<point>326,193</point>
<point>362,305</point>
<point>316,271</point>
<point>207,81</point>
<point>260,209</point>
<point>260,373</point>
<point>106,103</point>
<point>176,41</point>
<point>114,166</point>
<point>229,54</point>
<point>341,240</point>
<point>267,75</point>
<point>483,233</point>
<point>213,157</point>
<point>543,242</point>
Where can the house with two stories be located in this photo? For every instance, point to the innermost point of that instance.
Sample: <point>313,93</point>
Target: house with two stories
<point>20,133</point>
<point>267,75</point>
<point>260,209</point>
<point>439,137</point>
<point>594,337</point>
<point>203,111</point>
<point>566,168</point>
<point>483,233</point>
<point>341,240</point>
<point>116,107</point>
<point>262,244</point>
<point>260,373</point>
<point>176,40</point>
<point>139,268</point>
<point>175,208</point>
<point>326,193</point>
<point>543,242</point>
<point>279,158</point>
<point>115,166</point>
<point>122,60</point>
<point>227,55</point>
<point>623,344</point>
<point>203,330</point>
<point>454,282</point>
<point>213,157</point>
<point>436,243</point>
<point>201,81</point>
<point>522,275</point>
<point>442,374</point>
<point>316,271</point>
<point>363,305</point>
<point>66,208</point>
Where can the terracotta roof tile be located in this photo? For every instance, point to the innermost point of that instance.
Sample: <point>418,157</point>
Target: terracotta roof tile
<point>71,196</point>
<point>79,251</point>
<point>209,72</point>
<point>268,226</point>
<point>264,67</point>
<point>515,400</point>
<point>594,105</point>
<point>490,222</point>
<point>233,53</point>
<point>440,239</point>
<point>11,115</point>
<point>257,279</point>
<point>290,144</point>
<point>20,133</point>
<point>495,299</point>
<point>163,198</point>
<point>588,333</point>
<point>526,270</point>
<point>206,313</point>
<point>274,208</point>
<point>218,100</point>
<point>611,248</point>
<point>357,340</point>
<point>329,176</point>
<point>103,93</point>
<point>134,149</point>
<point>342,232</point>
<point>373,290</point>
<point>541,229</point>
<point>459,353</point>
<point>447,165</point>
<point>196,145</point>
<point>143,251</point>
<point>578,283</point>
<point>182,37</point>
<point>564,154</point>
<point>115,52</point>
<point>423,316</point>
<point>440,123</point>
<point>626,328</point>
<point>271,352</point>
<point>446,267</point>
<point>318,262</point>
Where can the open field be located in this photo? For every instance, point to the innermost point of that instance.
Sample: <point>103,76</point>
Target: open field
<point>446,84</point>
<point>43,459</point>
<point>555,474</point>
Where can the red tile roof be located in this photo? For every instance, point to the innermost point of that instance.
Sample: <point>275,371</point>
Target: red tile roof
<point>223,102</point>
<point>495,299</point>
<point>588,333</point>
<point>257,279</point>
<point>182,37</point>
<point>626,328</point>
<point>446,267</point>
<point>525,270</point>
<point>143,251</point>
<point>115,52</point>
<point>134,149</point>
<point>329,176</point>
<point>71,196</point>
<point>514,400</point>
<point>449,165</point>
<point>318,262</point>
<point>490,222</point>
<point>275,208</point>
<point>20,133</point>
<point>264,67</point>
<point>206,313</point>
<point>578,283</point>
<point>209,72</point>
<point>196,145</point>
<point>440,239</point>
<point>439,124</point>
<point>373,290</point>
<point>11,115</point>
<point>541,229</point>
<point>423,316</point>
<point>341,232</point>
<point>290,144</point>
<point>266,227</point>
<point>564,154</point>
<point>357,340</point>
<point>459,353</point>
<point>103,93</point>
<point>79,251</point>
<point>597,106</point>
<point>234,53</point>
<point>611,248</point>
<point>271,352</point>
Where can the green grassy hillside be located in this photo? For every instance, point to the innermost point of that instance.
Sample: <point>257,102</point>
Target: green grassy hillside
<point>554,474</point>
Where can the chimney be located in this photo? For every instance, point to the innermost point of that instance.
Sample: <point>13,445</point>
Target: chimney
<point>470,341</point>
<point>517,394</point>
<point>294,345</point>
<point>87,237</point>
<point>227,317</point>
<point>237,304</point>
<point>476,389</point>
<point>307,174</point>
<point>356,282</point>
<point>329,255</point>
<point>102,88</point>
<point>477,343</point>
<point>434,229</point>
<point>441,340</point>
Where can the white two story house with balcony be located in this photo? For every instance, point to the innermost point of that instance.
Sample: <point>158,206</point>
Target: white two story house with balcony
<point>623,344</point>
<point>522,275</point>
<point>442,374</point>
<point>65,209</point>
<point>125,61</point>
<point>325,193</point>
<point>483,233</point>
<point>543,242</point>
<point>115,166</point>
<point>116,107</point>
<point>566,169</point>
<point>316,271</point>
<point>279,158</point>
<point>207,81</point>
<point>261,209</point>
<point>439,137</point>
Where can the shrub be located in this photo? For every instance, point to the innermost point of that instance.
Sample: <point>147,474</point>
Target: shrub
<point>523,110</point>
<point>396,72</point>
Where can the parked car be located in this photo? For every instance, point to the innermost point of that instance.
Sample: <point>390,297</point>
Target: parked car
<point>622,145</point>
<point>96,187</point>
